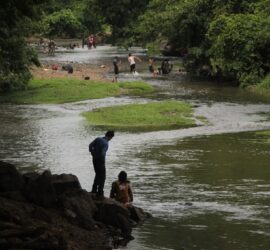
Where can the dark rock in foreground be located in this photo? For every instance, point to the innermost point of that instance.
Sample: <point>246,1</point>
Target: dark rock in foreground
<point>45,211</point>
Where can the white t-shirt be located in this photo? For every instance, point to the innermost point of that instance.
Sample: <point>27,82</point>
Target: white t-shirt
<point>131,60</point>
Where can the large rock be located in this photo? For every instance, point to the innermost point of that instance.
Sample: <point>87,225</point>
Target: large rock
<point>138,215</point>
<point>79,208</point>
<point>115,214</point>
<point>24,225</point>
<point>64,182</point>
<point>39,189</point>
<point>10,178</point>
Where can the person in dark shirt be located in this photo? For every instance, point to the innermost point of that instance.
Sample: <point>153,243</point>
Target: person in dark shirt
<point>166,67</point>
<point>116,63</point>
<point>98,149</point>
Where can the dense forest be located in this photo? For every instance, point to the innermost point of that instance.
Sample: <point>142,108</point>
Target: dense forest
<point>228,38</point>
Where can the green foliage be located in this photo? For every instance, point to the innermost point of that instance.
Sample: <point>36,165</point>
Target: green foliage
<point>91,18</point>
<point>152,48</point>
<point>136,88</point>
<point>62,23</point>
<point>264,135</point>
<point>142,117</point>
<point>14,72</point>
<point>158,20</point>
<point>229,36</point>
<point>15,55</point>
<point>240,45</point>
<point>71,18</point>
<point>264,84</point>
<point>121,15</point>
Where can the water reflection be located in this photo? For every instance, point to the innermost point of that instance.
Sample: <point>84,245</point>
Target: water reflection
<point>209,195</point>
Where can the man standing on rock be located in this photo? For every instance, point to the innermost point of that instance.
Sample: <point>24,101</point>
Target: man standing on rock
<point>98,149</point>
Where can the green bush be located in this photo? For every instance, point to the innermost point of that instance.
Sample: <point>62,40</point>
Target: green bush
<point>240,45</point>
<point>62,23</point>
<point>265,83</point>
<point>15,57</point>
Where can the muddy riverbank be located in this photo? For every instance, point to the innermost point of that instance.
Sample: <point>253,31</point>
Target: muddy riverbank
<point>80,71</point>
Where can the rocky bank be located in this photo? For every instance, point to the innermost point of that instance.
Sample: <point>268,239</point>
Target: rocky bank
<point>47,211</point>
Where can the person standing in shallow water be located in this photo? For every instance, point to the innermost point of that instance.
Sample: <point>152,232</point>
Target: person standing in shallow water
<point>116,63</point>
<point>98,149</point>
<point>151,62</point>
<point>132,63</point>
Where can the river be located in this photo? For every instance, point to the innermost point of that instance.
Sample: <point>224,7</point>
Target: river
<point>207,187</point>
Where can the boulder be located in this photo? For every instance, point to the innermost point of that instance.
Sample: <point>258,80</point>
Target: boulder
<point>79,208</point>
<point>138,215</point>
<point>114,213</point>
<point>64,182</point>
<point>39,189</point>
<point>10,178</point>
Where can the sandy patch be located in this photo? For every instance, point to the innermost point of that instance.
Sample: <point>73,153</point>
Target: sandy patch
<point>80,71</point>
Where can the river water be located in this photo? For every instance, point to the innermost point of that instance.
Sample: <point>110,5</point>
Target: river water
<point>207,187</point>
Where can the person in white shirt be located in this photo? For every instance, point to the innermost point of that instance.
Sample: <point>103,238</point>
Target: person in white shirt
<point>132,63</point>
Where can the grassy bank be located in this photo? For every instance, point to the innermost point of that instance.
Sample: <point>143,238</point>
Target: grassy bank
<point>62,90</point>
<point>262,89</point>
<point>143,117</point>
<point>265,134</point>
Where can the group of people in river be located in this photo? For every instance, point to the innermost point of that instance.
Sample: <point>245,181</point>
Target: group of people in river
<point>165,68</point>
<point>121,190</point>
<point>90,41</point>
<point>49,45</point>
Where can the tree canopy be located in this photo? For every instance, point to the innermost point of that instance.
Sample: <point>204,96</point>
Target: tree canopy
<point>15,56</point>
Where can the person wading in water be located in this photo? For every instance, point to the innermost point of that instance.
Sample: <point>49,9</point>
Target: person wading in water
<point>132,63</point>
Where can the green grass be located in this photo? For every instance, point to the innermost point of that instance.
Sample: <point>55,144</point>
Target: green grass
<point>263,88</point>
<point>143,117</point>
<point>265,134</point>
<point>265,84</point>
<point>136,88</point>
<point>153,49</point>
<point>62,90</point>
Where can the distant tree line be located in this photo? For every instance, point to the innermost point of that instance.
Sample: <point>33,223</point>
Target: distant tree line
<point>228,38</point>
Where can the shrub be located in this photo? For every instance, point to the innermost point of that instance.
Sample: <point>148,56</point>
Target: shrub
<point>62,24</point>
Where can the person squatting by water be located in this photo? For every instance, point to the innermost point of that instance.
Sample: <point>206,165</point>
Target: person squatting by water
<point>116,63</point>
<point>121,190</point>
<point>98,148</point>
<point>132,62</point>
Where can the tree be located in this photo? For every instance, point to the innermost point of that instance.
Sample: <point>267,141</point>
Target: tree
<point>91,18</point>
<point>240,46</point>
<point>228,36</point>
<point>120,14</point>
<point>62,23</point>
<point>15,55</point>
